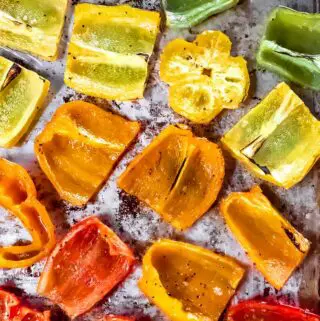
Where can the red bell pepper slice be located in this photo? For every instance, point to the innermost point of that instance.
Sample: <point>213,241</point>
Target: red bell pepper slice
<point>12,310</point>
<point>85,266</point>
<point>262,311</point>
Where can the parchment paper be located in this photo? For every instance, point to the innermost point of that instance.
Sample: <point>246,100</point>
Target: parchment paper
<point>135,223</point>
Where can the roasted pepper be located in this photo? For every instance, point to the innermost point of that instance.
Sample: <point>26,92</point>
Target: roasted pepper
<point>203,77</point>
<point>278,139</point>
<point>11,309</point>
<point>112,317</point>
<point>271,242</point>
<point>85,266</point>
<point>22,93</point>
<point>34,26</point>
<point>109,50</point>
<point>178,175</point>
<point>259,310</point>
<point>79,148</point>
<point>188,13</point>
<point>188,282</point>
<point>18,195</point>
<point>291,47</point>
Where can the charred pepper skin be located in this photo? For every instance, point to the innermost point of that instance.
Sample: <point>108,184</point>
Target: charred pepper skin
<point>283,51</point>
<point>272,243</point>
<point>188,13</point>
<point>18,195</point>
<point>188,282</point>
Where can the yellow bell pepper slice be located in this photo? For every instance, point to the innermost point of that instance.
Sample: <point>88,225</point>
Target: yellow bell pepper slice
<point>34,26</point>
<point>277,140</point>
<point>178,175</point>
<point>203,77</point>
<point>109,50</point>
<point>79,148</point>
<point>22,94</point>
<point>19,196</point>
<point>188,282</point>
<point>271,242</point>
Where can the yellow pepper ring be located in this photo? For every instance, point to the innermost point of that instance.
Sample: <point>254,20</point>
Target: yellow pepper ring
<point>18,195</point>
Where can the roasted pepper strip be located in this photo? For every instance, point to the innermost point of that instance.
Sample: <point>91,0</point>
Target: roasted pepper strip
<point>18,195</point>
<point>271,242</point>
<point>34,26</point>
<point>22,94</point>
<point>291,48</point>
<point>178,175</point>
<point>109,50</point>
<point>12,310</point>
<point>204,78</point>
<point>79,148</point>
<point>85,266</point>
<point>188,13</point>
<point>188,282</point>
<point>278,139</point>
<point>112,317</point>
<point>259,310</point>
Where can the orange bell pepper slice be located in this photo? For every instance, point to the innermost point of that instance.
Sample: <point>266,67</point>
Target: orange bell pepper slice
<point>85,266</point>
<point>18,195</point>
<point>271,242</point>
<point>12,310</point>
<point>188,282</point>
<point>79,148</point>
<point>178,175</point>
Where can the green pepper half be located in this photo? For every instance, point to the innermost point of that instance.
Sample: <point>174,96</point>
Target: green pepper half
<point>188,13</point>
<point>291,46</point>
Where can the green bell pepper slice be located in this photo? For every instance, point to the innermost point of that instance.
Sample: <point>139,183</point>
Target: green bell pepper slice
<point>188,13</point>
<point>291,46</point>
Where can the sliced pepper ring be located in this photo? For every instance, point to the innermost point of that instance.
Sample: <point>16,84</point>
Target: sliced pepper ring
<point>18,195</point>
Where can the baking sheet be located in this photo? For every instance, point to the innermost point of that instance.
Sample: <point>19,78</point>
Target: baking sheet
<point>135,223</point>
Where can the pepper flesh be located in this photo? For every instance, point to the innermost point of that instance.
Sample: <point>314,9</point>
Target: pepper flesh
<point>12,310</point>
<point>85,266</point>
<point>188,13</point>
<point>22,93</point>
<point>18,195</point>
<point>278,139</point>
<point>203,77</point>
<point>34,26</point>
<point>282,50</point>
<point>109,50</point>
<point>188,282</point>
<point>259,310</point>
<point>79,148</point>
<point>271,242</point>
<point>178,175</point>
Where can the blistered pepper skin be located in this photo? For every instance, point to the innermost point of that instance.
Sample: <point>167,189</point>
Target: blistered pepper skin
<point>85,266</point>
<point>18,195</point>
<point>204,79</point>
<point>178,175</point>
<point>188,13</point>
<point>271,242</point>
<point>79,148</point>
<point>282,50</point>
<point>278,139</point>
<point>34,26</point>
<point>188,282</point>
<point>22,94</point>
<point>109,50</point>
